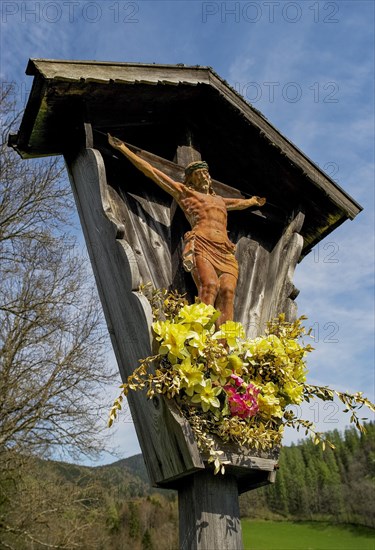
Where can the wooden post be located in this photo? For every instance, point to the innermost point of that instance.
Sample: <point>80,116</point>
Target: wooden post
<point>209,512</point>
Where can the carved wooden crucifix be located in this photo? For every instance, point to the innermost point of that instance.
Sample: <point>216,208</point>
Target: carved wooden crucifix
<point>208,253</point>
<point>155,234</point>
<point>134,233</point>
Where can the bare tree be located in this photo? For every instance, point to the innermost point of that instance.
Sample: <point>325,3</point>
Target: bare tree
<point>52,511</point>
<point>52,342</point>
<point>53,368</point>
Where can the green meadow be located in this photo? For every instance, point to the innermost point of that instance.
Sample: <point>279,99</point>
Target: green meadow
<point>280,535</point>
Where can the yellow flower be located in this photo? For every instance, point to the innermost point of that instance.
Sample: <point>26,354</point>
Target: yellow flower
<point>197,316</point>
<point>172,338</point>
<point>220,369</point>
<point>190,375</point>
<point>299,371</point>
<point>269,404</point>
<point>258,347</point>
<point>231,332</point>
<point>294,393</point>
<point>235,363</point>
<point>206,395</point>
<point>270,388</point>
<point>198,342</point>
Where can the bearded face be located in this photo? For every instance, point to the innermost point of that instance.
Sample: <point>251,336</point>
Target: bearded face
<point>200,180</point>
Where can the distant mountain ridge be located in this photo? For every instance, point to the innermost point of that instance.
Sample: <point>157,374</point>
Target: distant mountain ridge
<point>135,465</point>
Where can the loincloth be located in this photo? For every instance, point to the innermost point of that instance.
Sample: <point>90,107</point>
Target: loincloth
<point>219,255</point>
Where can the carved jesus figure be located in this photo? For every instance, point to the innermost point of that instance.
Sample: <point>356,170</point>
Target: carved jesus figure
<point>208,253</point>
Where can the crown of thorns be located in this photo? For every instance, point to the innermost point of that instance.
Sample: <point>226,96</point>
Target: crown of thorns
<point>197,165</point>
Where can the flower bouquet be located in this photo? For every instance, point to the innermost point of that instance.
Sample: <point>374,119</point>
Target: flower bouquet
<point>229,388</point>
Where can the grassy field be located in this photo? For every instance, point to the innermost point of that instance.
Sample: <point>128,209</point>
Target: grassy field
<point>275,535</point>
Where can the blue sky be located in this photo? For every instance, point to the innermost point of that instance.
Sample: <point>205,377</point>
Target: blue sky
<point>309,67</point>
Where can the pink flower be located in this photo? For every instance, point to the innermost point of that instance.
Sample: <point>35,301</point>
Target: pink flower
<point>245,404</point>
<point>237,379</point>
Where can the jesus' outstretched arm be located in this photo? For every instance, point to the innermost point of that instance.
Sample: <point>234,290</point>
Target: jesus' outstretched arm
<point>241,204</point>
<point>165,182</point>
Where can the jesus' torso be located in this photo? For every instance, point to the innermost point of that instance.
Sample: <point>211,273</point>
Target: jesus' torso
<point>207,214</point>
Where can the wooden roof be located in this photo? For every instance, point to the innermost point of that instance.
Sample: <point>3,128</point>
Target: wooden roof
<point>156,106</point>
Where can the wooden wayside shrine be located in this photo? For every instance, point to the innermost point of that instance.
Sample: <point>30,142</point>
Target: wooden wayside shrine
<point>171,115</point>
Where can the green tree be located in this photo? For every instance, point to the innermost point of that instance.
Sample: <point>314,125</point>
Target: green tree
<point>278,495</point>
<point>147,541</point>
<point>296,482</point>
<point>336,484</point>
<point>134,523</point>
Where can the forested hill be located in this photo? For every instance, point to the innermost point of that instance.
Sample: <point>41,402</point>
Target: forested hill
<point>113,507</point>
<point>337,485</point>
<point>311,483</point>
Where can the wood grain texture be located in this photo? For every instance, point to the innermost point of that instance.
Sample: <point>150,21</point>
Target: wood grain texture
<point>105,72</point>
<point>129,230</point>
<point>283,259</point>
<point>166,442</point>
<point>209,513</point>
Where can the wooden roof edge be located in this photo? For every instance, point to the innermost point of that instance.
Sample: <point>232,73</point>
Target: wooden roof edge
<point>33,65</point>
<point>308,246</point>
<point>33,68</point>
<point>33,61</point>
<point>313,172</point>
